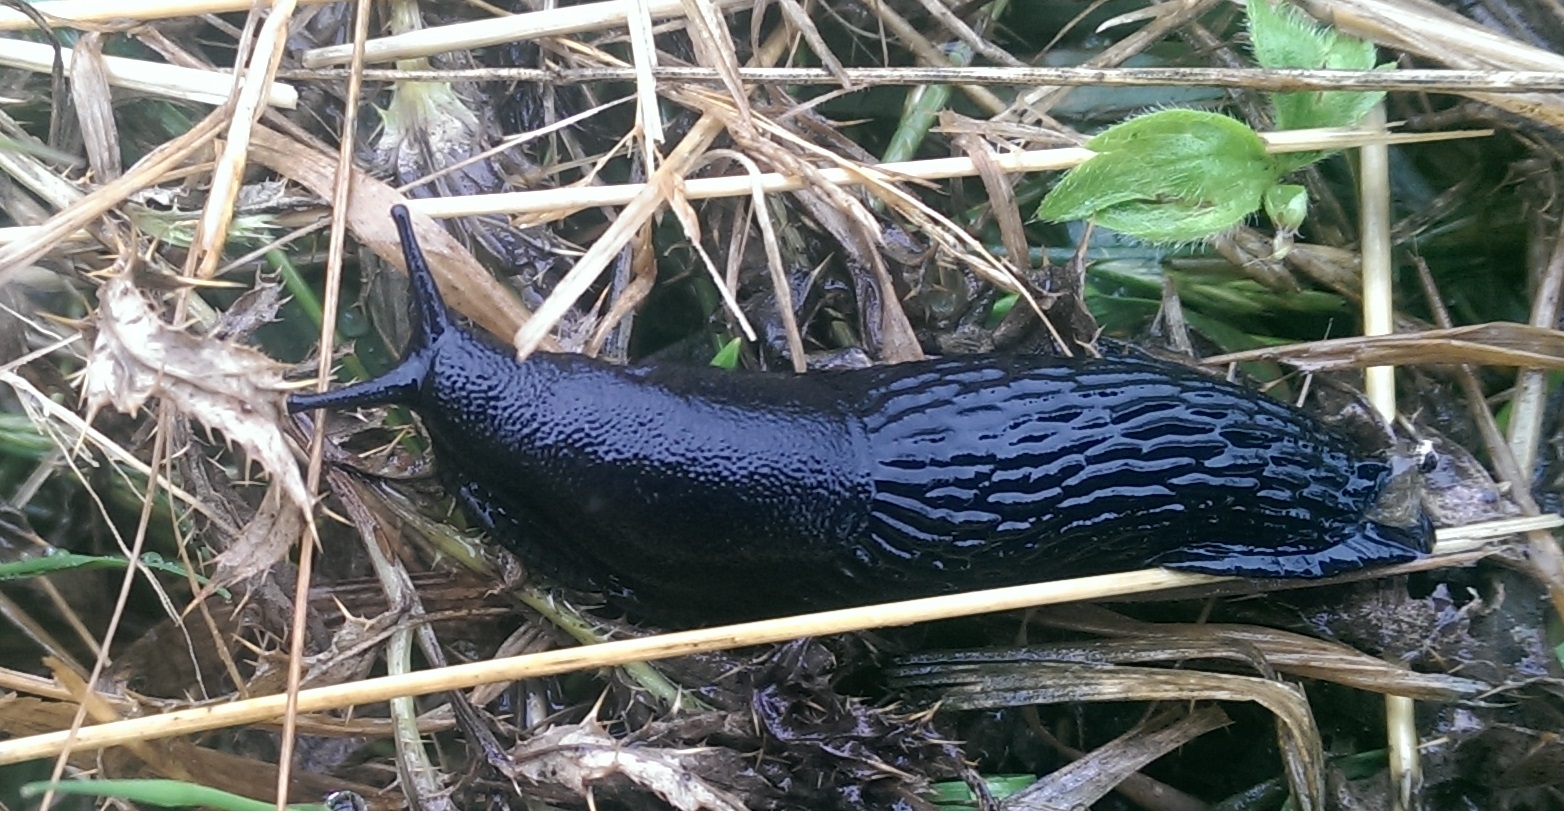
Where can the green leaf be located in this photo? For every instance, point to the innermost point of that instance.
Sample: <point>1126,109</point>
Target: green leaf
<point>61,561</point>
<point>1002,306</point>
<point>1167,177</point>
<point>1282,37</point>
<point>728,356</point>
<point>1362,765</point>
<point>957,795</point>
<point>1319,109</point>
<point>165,793</point>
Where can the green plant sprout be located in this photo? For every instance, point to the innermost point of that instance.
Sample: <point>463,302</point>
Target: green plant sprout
<point>1176,176</point>
<point>728,356</point>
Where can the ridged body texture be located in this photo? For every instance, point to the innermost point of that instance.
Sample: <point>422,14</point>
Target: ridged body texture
<point>691,493</point>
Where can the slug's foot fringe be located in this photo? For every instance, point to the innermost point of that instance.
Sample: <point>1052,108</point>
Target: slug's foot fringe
<point>1370,544</point>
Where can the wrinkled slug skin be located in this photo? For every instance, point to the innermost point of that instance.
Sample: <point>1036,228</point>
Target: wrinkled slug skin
<point>696,494</point>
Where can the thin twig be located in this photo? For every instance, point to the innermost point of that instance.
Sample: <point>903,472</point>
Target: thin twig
<point>1259,79</point>
<point>907,36</point>
<point>561,202</point>
<point>1169,16</point>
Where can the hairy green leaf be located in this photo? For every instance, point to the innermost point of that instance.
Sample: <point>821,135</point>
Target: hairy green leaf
<point>1282,37</point>
<point>1167,177</point>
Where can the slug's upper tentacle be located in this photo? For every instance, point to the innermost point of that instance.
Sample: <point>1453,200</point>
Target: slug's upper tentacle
<point>431,320</point>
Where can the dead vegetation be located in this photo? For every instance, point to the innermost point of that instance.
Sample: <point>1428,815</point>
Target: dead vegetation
<point>778,183</point>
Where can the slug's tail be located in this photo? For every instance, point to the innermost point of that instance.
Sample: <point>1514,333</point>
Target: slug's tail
<point>431,319</point>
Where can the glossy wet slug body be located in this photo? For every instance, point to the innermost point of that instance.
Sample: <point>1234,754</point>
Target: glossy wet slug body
<point>696,494</point>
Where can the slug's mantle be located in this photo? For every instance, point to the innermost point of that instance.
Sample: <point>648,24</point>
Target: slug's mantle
<point>697,494</point>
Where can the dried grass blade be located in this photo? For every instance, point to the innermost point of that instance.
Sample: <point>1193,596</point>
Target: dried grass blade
<point>941,12</point>
<point>643,264</point>
<point>714,48</point>
<point>466,284</point>
<point>1285,651</point>
<point>966,688</point>
<point>1426,28</point>
<point>212,232</point>
<point>691,224</point>
<point>799,19</point>
<point>1081,783</point>
<point>1423,28</point>
<point>159,79</point>
<point>69,13</point>
<point>94,107</point>
<point>769,242</point>
<point>935,225</point>
<point>905,34</point>
<point>1001,196</point>
<point>636,213</point>
<point>643,51</point>
<point>1499,344</point>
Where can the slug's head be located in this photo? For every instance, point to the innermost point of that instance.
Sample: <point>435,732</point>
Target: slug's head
<point>1398,515</point>
<point>431,322</point>
<point>1400,502</point>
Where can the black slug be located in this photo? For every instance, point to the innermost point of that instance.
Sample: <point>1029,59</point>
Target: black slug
<point>697,494</point>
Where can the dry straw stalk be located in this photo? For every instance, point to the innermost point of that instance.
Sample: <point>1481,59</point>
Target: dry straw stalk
<point>157,78</point>
<point>1455,544</point>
